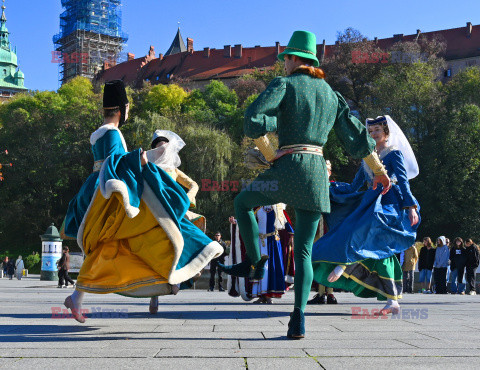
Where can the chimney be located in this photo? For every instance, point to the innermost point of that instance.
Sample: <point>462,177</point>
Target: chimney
<point>106,65</point>
<point>160,56</point>
<point>237,51</point>
<point>151,53</point>
<point>131,56</point>
<point>418,35</point>
<point>375,40</point>
<point>227,51</point>
<point>189,45</point>
<point>322,51</point>
<point>257,46</point>
<point>398,37</point>
<point>206,52</point>
<point>277,46</point>
<point>469,29</point>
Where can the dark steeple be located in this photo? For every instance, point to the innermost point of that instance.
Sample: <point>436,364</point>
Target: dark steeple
<point>178,46</point>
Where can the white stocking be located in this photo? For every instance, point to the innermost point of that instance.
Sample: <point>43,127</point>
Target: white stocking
<point>77,299</point>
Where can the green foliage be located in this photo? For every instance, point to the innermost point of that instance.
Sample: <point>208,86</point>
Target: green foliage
<point>32,263</point>
<point>164,99</point>
<point>266,75</point>
<point>47,134</point>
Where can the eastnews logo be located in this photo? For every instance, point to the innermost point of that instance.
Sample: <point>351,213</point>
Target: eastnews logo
<point>362,57</point>
<point>235,186</point>
<point>359,313</point>
<point>93,313</point>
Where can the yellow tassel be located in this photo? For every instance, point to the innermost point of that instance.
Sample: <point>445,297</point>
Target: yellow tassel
<point>263,144</point>
<point>375,164</point>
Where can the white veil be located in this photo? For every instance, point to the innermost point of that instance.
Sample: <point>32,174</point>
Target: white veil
<point>397,139</point>
<point>166,157</point>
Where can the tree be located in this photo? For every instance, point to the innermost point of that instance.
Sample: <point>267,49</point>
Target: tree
<point>164,99</point>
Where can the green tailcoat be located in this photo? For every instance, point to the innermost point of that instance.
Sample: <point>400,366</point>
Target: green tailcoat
<point>302,110</point>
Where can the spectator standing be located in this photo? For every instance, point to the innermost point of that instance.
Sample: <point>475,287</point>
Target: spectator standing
<point>214,265</point>
<point>425,265</point>
<point>442,255</point>
<point>409,262</point>
<point>472,262</point>
<point>458,259</point>
<point>10,269</point>
<point>4,266</point>
<point>19,266</point>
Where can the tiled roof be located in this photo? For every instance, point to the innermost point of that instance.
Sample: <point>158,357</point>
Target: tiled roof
<point>127,71</point>
<point>219,63</point>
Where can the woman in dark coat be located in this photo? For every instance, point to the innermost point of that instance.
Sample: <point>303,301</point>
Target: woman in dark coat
<point>472,262</point>
<point>10,269</point>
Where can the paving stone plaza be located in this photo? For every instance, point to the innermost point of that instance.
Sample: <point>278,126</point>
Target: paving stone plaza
<point>210,330</point>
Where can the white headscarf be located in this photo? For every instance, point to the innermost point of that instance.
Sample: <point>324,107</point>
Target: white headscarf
<point>166,157</point>
<point>398,140</point>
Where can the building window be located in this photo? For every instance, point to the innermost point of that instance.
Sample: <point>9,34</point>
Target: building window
<point>448,73</point>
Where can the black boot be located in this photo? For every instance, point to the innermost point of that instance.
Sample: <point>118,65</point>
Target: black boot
<point>331,299</point>
<point>318,299</point>
<point>296,325</point>
<point>246,268</point>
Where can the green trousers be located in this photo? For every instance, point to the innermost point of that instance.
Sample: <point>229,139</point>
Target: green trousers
<point>306,223</point>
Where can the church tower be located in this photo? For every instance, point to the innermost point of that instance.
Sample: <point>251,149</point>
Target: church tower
<point>11,78</point>
<point>90,35</point>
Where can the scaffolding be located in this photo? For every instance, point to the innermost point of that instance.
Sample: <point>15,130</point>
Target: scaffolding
<point>90,34</point>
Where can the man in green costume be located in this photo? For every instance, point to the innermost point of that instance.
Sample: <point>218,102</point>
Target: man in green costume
<point>302,108</point>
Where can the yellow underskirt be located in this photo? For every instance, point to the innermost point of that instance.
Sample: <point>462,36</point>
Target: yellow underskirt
<point>123,253</point>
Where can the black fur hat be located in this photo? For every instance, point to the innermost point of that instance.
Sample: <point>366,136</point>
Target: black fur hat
<point>115,96</point>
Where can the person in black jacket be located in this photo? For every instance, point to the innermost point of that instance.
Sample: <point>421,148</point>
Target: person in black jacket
<point>458,259</point>
<point>214,265</point>
<point>425,265</point>
<point>10,269</point>
<point>472,262</point>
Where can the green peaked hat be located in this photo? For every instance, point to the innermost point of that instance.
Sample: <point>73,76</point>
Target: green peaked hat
<point>303,44</point>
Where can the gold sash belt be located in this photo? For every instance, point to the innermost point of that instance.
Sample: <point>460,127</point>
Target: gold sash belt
<point>304,149</point>
<point>265,236</point>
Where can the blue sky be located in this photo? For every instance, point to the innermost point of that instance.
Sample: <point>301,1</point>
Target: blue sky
<point>215,23</point>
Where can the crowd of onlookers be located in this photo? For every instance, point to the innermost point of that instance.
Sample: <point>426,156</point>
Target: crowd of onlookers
<point>443,268</point>
<point>11,268</point>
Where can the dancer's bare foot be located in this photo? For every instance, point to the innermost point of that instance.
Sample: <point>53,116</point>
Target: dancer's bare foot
<point>75,311</point>
<point>391,308</point>
<point>336,273</point>
<point>153,308</point>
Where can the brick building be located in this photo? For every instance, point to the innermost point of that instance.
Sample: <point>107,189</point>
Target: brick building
<point>232,62</point>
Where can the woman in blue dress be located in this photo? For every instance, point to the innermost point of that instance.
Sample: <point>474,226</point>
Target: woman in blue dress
<point>366,228</point>
<point>128,219</point>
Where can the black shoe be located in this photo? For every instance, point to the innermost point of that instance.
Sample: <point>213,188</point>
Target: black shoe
<point>331,299</point>
<point>318,299</point>
<point>210,289</point>
<point>220,289</point>
<point>296,325</point>
<point>246,268</point>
